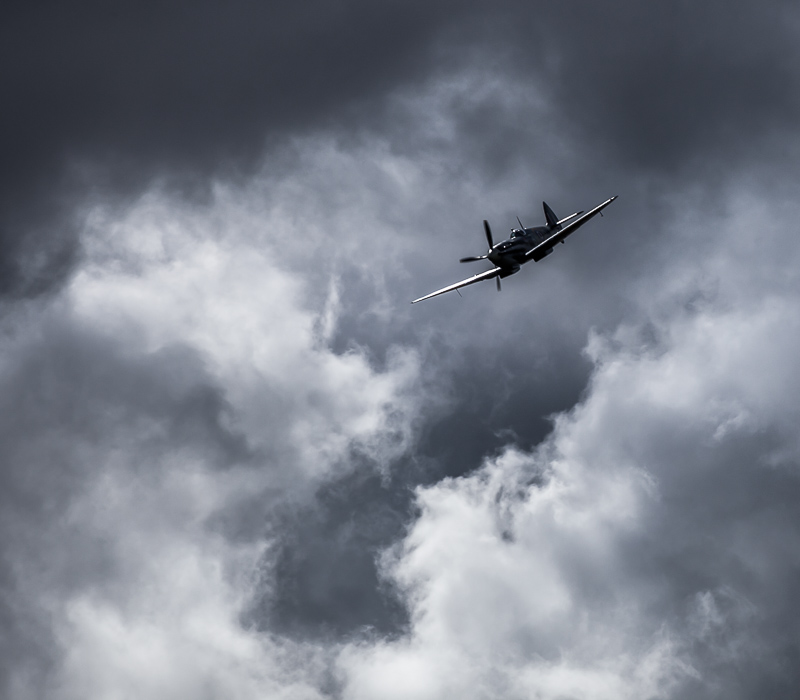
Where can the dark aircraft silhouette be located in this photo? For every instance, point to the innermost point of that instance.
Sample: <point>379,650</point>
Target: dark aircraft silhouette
<point>525,244</point>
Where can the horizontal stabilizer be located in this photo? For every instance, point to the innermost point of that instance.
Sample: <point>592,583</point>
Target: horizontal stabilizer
<point>571,216</point>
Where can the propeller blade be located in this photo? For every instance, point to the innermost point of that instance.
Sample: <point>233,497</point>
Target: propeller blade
<point>488,230</point>
<point>498,283</point>
<point>473,258</point>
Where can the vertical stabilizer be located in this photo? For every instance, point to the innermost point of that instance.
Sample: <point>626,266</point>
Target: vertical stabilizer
<point>550,216</point>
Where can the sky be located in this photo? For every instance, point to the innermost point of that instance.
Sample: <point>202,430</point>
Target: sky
<point>237,463</point>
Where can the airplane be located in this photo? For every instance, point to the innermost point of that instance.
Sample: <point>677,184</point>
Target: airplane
<point>525,244</point>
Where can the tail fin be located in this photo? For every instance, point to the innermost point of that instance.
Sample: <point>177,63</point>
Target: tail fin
<point>550,216</point>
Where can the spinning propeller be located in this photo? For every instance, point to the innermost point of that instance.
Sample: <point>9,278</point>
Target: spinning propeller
<point>474,258</point>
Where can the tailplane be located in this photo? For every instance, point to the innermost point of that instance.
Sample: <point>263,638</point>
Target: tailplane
<point>571,216</point>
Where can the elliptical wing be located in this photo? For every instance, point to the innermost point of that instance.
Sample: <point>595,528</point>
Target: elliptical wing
<point>489,274</point>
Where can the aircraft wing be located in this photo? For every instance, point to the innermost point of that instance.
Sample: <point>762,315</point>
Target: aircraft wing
<point>540,250</point>
<point>489,274</point>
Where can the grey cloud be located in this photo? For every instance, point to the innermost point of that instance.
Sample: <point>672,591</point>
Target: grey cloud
<point>646,548</point>
<point>128,414</point>
<point>378,139</point>
<point>182,92</point>
<point>197,90</point>
<point>661,90</point>
<point>324,583</point>
<point>70,400</point>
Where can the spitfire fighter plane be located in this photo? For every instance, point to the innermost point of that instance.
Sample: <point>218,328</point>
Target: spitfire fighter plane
<point>525,244</point>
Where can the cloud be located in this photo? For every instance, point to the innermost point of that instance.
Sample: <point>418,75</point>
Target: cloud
<point>155,421</point>
<point>211,447</point>
<point>635,554</point>
<point>644,549</point>
<point>108,101</point>
<point>219,410</point>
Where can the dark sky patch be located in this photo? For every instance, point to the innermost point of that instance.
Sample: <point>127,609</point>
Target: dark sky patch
<point>325,582</point>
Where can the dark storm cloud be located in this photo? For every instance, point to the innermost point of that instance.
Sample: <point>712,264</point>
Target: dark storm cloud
<point>193,82</point>
<point>197,88</point>
<point>571,102</point>
<point>677,82</point>
<point>655,88</point>
<point>325,583</point>
<point>139,91</point>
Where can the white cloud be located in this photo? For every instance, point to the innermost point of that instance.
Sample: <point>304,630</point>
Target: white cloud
<point>167,623</point>
<point>176,342</point>
<point>624,558</point>
<point>164,275</point>
<point>512,590</point>
<point>639,551</point>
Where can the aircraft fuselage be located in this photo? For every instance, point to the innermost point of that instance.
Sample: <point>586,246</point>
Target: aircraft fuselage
<point>509,254</point>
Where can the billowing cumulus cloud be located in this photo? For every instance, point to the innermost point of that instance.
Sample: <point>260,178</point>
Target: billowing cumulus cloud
<point>177,393</point>
<point>544,574</point>
<point>235,462</point>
